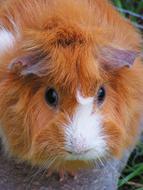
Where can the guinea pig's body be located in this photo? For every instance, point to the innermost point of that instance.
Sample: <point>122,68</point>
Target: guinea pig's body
<point>71,82</point>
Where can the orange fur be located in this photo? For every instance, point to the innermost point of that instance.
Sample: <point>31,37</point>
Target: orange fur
<point>69,36</point>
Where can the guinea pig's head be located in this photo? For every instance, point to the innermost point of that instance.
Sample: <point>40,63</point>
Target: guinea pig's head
<point>65,97</point>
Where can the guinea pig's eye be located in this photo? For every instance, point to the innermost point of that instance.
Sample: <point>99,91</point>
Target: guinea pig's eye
<point>101,94</point>
<point>51,97</point>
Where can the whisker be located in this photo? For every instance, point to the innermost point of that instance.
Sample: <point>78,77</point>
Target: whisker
<point>32,178</point>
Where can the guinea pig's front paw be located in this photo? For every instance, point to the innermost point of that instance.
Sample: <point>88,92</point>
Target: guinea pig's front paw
<point>63,174</point>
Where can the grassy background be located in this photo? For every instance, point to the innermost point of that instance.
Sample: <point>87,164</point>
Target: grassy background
<point>132,9</point>
<point>132,176</point>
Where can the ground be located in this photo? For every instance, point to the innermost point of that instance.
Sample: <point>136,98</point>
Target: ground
<point>20,176</point>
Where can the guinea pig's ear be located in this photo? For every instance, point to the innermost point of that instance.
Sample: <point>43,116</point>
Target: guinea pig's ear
<point>114,58</point>
<point>30,63</point>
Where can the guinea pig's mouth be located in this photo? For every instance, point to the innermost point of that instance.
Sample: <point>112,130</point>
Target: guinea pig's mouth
<point>79,153</point>
<point>89,154</point>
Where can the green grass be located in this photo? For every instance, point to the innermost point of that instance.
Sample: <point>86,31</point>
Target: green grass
<point>132,9</point>
<point>132,176</point>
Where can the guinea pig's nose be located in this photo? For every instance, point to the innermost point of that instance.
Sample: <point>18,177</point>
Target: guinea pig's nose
<point>79,146</point>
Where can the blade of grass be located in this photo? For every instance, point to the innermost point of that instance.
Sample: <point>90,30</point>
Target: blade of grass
<point>135,173</point>
<point>135,184</point>
<point>129,169</point>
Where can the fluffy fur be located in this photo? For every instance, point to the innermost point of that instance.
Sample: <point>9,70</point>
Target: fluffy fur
<point>68,45</point>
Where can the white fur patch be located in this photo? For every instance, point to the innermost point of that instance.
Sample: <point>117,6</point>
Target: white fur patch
<point>7,40</point>
<point>82,100</point>
<point>84,136</point>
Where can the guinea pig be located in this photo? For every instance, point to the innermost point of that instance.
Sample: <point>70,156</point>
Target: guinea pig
<point>71,82</point>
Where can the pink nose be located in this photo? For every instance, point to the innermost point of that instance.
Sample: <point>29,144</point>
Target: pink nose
<point>79,147</point>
